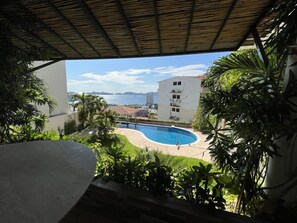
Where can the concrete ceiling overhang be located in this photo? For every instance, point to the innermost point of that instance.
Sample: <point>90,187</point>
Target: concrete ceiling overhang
<point>97,29</point>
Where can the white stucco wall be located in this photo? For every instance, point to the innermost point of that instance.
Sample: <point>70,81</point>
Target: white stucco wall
<point>189,98</point>
<point>54,122</point>
<point>54,77</point>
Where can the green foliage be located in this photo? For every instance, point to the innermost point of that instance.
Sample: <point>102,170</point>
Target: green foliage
<point>283,29</point>
<point>26,133</point>
<point>159,176</point>
<point>146,170</point>
<point>103,126</point>
<point>80,139</point>
<point>153,171</point>
<point>201,186</point>
<point>249,97</point>
<point>88,107</point>
<point>20,89</point>
<point>70,127</point>
<point>96,119</point>
<point>202,120</point>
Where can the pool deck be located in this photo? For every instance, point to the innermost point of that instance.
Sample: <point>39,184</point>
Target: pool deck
<point>196,150</point>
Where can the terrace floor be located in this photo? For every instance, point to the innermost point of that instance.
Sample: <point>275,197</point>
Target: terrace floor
<point>196,150</point>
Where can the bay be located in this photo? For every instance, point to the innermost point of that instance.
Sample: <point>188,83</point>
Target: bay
<point>127,99</point>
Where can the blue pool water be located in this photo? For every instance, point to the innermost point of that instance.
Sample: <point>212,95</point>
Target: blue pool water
<point>164,134</point>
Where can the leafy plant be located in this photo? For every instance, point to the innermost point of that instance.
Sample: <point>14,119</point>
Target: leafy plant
<point>20,89</point>
<point>102,127</point>
<point>145,171</point>
<point>159,177</point>
<point>88,107</point>
<point>249,97</point>
<point>135,172</point>
<point>201,186</point>
<point>283,29</point>
<point>111,165</point>
<point>70,127</point>
<point>202,121</point>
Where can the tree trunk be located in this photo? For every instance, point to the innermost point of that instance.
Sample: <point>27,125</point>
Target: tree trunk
<point>283,170</point>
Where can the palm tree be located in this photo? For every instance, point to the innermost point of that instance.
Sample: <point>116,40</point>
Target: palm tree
<point>249,96</point>
<point>103,127</point>
<point>95,105</point>
<point>281,177</point>
<point>89,106</point>
<point>82,108</point>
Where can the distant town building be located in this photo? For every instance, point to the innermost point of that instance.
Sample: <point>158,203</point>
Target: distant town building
<point>54,77</point>
<point>149,99</point>
<point>179,98</point>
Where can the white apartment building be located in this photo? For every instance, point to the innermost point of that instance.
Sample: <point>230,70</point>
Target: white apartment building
<point>54,77</point>
<point>149,99</point>
<point>179,98</point>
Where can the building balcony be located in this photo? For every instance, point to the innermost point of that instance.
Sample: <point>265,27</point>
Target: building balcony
<point>173,100</point>
<point>174,105</point>
<point>175,118</point>
<point>178,91</point>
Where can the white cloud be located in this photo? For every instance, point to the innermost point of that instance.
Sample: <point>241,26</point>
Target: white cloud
<point>136,80</point>
<point>115,77</point>
<point>188,70</point>
<point>88,86</point>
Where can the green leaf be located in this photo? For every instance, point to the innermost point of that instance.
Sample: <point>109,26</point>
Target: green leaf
<point>225,179</point>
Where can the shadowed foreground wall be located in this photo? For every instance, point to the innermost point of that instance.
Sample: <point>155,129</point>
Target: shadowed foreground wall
<point>112,202</point>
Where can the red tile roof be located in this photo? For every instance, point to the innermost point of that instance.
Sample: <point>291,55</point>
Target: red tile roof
<point>201,76</point>
<point>122,110</point>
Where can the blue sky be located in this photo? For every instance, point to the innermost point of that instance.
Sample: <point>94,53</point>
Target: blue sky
<point>137,75</point>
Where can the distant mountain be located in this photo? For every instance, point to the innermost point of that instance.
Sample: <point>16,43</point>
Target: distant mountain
<point>100,92</point>
<point>108,93</point>
<point>135,93</point>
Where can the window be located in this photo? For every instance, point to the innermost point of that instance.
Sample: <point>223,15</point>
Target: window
<point>173,109</point>
<point>177,96</point>
<point>179,83</point>
<point>177,110</point>
<point>174,83</point>
<point>174,96</point>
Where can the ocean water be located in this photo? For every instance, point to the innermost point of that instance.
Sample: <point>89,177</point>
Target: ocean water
<point>127,99</point>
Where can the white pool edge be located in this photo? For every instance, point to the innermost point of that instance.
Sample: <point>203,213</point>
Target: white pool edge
<point>164,144</point>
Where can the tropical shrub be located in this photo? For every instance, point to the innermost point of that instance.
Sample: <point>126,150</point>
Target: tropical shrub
<point>159,176</point>
<point>249,97</point>
<point>145,171</point>
<point>149,170</point>
<point>202,121</point>
<point>70,127</point>
<point>103,126</point>
<point>201,186</point>
<point>135,172</point>
<point>88,107</point>
<point>20,89</point>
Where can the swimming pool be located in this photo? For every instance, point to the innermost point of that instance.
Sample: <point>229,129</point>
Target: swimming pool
<point>163,134</point>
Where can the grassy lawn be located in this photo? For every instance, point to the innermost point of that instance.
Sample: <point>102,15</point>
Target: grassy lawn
<point>176,162</point>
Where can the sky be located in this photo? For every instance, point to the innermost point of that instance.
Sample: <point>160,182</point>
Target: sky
<point>134,74</point>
